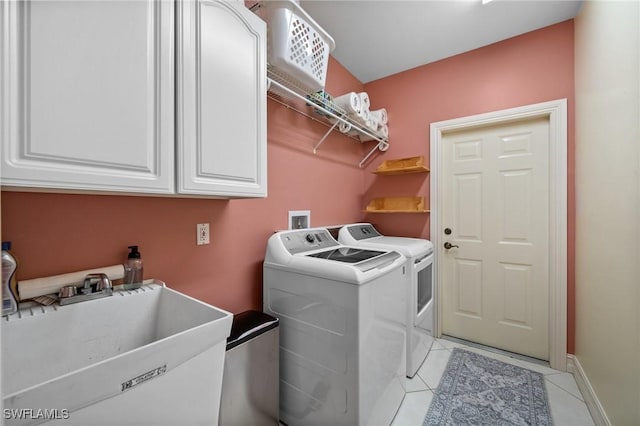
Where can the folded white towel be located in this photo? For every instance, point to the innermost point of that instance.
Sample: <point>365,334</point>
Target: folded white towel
<point>364,100</point>
<point>381,115</point>
<point>375,123</point>
<point>349,102</point>
<point>365,115</point>
<point>383,132</point>
<point>344,127</point>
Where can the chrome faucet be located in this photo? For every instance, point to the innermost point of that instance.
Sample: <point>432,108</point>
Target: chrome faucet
<point>94,286</point>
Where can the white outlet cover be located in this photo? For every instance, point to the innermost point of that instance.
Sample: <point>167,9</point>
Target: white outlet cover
<point>202,234</point>
<point>299,219</point>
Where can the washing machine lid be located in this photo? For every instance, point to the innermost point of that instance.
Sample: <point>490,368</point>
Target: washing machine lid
<point>314,252</point>
<point>347,254</point>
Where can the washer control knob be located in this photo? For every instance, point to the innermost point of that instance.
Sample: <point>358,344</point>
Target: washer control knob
<point>310,238</point>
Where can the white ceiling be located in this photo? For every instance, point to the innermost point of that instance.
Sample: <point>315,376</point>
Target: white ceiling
<point>375,39</point>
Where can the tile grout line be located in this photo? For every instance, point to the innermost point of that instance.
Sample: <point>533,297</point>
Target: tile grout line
<point>564,390</point>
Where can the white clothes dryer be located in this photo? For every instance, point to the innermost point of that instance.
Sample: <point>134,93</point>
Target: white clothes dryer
<point>419,284</point>
<point>342,333</point>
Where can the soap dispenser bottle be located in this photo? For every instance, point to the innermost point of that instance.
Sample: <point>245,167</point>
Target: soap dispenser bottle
<point>9,266</point>
<point>133,269</point>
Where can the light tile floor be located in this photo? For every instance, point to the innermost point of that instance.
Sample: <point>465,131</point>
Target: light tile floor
<point>567,405</point>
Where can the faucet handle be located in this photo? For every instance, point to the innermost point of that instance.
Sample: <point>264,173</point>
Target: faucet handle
<point>103,282</point>
<point>67,291</point>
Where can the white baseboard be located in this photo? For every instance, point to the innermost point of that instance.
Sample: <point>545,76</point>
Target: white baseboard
<point>590,398</point>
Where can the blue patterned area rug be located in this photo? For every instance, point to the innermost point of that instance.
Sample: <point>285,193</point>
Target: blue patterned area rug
<point>477,390</point>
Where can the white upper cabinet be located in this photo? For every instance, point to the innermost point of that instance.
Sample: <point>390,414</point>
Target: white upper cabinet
<point>221,105</point>
<point>137,96</point>
<point>88,95</point>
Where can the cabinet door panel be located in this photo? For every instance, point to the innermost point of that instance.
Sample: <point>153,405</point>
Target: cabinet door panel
<point>222,127</point>
<point>92,99</point>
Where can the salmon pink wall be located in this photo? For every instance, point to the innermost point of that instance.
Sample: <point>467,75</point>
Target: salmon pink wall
<point>55,233</point>
<point>532,68</point>
<point>59,233</point>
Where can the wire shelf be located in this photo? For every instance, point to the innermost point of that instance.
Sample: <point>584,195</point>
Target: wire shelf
<point>320,109</point>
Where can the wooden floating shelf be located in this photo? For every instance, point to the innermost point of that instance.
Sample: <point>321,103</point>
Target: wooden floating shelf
<point>402,166</point>
<point>397,205</point>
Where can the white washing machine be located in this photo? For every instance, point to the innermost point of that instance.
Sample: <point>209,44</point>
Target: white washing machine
<point>418,285</point>
<point>342,331</point>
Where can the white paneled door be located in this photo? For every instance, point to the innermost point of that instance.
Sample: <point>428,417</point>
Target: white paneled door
<point>495,216</point>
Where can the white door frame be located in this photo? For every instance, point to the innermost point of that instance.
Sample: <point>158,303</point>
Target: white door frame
<point>556,111</point>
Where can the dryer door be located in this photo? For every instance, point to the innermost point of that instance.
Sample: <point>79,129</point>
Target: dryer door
<point>423,290</point>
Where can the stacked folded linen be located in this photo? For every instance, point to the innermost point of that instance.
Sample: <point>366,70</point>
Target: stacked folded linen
<point>382,132</point>
<point>380,127</point>
<point>349,102</point>
<point>356,107</point>
<point>380,115</point>
<point>364,100</point>
<point>377,122</point>
<point>364,117</point>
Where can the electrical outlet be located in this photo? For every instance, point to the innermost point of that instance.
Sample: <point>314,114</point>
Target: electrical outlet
<point>202,234</point>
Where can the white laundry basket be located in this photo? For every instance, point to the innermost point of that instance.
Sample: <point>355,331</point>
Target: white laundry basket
<point>297,47</point>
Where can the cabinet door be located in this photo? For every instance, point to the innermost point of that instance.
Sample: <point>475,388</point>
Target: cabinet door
<point>221,118</point>
<point>88,95</point>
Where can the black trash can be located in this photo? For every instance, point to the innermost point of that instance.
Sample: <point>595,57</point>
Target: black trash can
<point>250,384</point>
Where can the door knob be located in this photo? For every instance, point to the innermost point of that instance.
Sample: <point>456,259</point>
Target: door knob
<point>448,245</point>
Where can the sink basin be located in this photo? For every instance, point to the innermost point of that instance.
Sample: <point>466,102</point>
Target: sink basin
<point>145,356</point>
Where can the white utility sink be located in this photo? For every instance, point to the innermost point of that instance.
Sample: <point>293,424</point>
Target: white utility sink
<point>147,356</point>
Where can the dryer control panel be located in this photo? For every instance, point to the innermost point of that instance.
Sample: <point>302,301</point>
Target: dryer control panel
<point>363,231</point>
<point>302,240</point>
